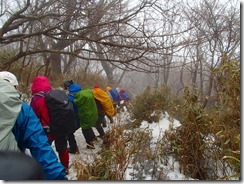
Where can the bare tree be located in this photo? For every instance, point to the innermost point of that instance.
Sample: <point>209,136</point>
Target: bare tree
<point>216,33</point>
<point>108,31</point>
<point>120,36</point>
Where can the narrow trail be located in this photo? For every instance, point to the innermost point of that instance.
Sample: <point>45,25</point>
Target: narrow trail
<point>87,155</point>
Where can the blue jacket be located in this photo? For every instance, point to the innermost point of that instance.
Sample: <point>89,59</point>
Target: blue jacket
<point>115,95</point>
<point>73,89</point>
<point>30,134</point>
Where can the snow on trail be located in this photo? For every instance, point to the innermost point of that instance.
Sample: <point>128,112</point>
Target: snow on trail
<point>157,132</point>
<point>85,154</point>
<point>160,127</point>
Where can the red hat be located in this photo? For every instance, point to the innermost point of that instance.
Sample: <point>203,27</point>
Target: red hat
<point>96,86</point>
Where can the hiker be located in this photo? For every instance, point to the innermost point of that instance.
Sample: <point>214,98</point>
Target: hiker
<point>100,120</point>
<point>86,110</point>
<point>100,95</point>
<point>73,148</point>
<point>124,97</point>
<point>115,96</point>
<point>11,78</point>
<point>109,117</point>
<point>40,86</point>
<point>105,105</point>
<point>67,83</point>
<point>23,130</point>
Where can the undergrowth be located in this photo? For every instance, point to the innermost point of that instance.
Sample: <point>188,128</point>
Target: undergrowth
<point>206,145</point>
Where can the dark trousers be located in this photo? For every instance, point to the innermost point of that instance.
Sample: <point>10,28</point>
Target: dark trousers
<point>60,143</point>
<point>104,122</point>
<point>72,142</point>
<point>110,119</point>
<point>61,147</point>
<point>98,125</point>
<point>88,135</point>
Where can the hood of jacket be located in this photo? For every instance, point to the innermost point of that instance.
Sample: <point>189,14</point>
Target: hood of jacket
<point>108,88</point>
<point>10,105</point>
<point>74,88</point>
<point>122,91</point>
<point>40,83</point>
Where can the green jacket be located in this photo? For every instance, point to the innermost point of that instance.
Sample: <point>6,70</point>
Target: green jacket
<point>87,109</point>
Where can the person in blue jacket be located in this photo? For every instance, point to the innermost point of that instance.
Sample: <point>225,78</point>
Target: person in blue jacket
<point>21,130</point>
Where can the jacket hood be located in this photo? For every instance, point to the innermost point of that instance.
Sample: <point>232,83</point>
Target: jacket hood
<point>40,83</point>
<point>8,76</point>
<point>108,88</point>
<point>122,91</point>
<point>74,88</point>
<point>10,105</point>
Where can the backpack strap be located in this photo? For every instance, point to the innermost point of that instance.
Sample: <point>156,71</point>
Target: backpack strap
<point>71,94</point>
<point>46,128</point>
<point>41,93</point>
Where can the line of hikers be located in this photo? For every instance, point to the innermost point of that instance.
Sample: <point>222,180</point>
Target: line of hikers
<point>53,116</point>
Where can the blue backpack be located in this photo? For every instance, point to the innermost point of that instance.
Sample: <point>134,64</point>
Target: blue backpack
<point>115,95</point>
<point>126,96</point>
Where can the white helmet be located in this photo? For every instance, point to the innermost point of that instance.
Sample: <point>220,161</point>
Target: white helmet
<point>5,75</point>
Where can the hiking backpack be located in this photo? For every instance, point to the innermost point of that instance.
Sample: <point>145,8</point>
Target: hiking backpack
<point>87,108</point>
<point>61,113</point>
<point>104,100</point>
<point>115,95</point>
<point>126,96</point>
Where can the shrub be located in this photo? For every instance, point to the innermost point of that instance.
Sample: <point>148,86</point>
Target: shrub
<point>206,137</point>
<point>119,149</point>
<point>150,104</point>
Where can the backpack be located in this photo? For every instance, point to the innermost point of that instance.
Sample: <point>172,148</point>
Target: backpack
<point>126,96</point>
<point>104,100</point>
<point>61,113</point>
<point>115,95</point>
<point>87,108</point>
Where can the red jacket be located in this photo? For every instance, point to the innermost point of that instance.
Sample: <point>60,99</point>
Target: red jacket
<point>41,84</point>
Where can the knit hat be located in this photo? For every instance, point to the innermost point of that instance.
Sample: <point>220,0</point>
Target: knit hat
<point>5,75</point>
<point>96,86</point>
<point>68,83</point>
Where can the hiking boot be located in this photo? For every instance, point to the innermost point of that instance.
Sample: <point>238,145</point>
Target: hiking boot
<point>73,151</point>
<point>101,136</point>
<point>111,120</point>
<point>90,146</point>
<point>95,139</point>
<point>104,124</point>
